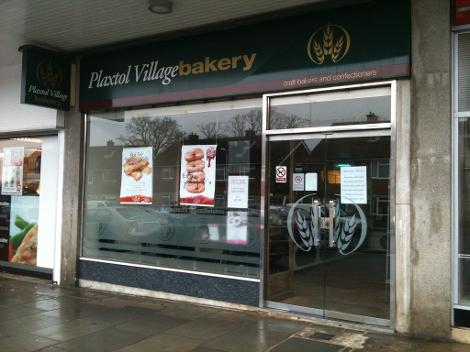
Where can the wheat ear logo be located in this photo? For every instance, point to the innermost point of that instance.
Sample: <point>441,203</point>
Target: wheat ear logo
<point>331,41</point>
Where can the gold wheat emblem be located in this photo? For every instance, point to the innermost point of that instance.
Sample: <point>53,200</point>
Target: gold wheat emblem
<point>330,40</point>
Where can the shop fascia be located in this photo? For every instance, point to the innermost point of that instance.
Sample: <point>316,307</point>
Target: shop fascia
<point>152,71</point>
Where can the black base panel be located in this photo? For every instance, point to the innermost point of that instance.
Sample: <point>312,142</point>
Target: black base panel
<point>26,272</point>
<point>462,318</point>
<point>207,287</point>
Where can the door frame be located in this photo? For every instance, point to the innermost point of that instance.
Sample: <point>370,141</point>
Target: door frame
<point>342,131</point>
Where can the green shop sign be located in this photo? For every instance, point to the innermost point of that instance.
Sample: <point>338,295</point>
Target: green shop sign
<point>45,78</point>
<point>358,43</point>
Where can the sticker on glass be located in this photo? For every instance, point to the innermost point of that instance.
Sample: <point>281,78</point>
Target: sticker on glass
<point>281,174</point>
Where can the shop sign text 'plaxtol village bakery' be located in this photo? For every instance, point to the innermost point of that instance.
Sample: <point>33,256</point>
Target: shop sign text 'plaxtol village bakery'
<point>152,71</point>
<point>369,41</point>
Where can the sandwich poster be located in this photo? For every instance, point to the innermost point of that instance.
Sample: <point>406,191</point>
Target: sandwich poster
<point>23,245</point>
<point>197,176</point>
<point>136,177</point>
<point>12,171</point>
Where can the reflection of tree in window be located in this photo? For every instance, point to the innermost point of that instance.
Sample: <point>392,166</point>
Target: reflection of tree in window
<point>210,130</point>
<point>280,120</point>
<point>159,132</point>
<point>239,125</point>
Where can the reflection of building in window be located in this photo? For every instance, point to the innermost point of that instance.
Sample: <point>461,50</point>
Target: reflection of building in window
<point>379,205</point>
<point>102,175</point>
<point>109,176</point>
<point>247,170</point>
<point>219,200</point>
<point>165,198</point>
<point>334,177</point>
<point>220,173</point>
<point>168,173</point>
<point>380,169</point>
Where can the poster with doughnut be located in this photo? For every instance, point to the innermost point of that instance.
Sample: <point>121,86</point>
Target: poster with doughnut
<point>197,176</point>
<point>136,176</point>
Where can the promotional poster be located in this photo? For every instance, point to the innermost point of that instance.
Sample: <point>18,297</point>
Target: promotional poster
<point>237,227</point>
<point>197,176</point>
<point>23,229</point>
<point>12,171</point>
<point>5,228</point>
<point>136,177</point>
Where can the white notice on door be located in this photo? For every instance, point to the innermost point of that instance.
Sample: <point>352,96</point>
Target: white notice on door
<point>311,181</point>
<point>298,181</point>
<point>238,192</point>
<point>354,185</point>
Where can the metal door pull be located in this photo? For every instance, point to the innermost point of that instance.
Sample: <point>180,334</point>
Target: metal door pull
<point>331,224</point>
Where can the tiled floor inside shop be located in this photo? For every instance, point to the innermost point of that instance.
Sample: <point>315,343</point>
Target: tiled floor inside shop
<point>35,316</point>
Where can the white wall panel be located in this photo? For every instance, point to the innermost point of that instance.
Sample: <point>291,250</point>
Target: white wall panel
<point>48,202</point>
<point>15,116</point>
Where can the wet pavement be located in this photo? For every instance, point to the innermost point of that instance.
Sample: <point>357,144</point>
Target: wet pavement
<point>35,316</point>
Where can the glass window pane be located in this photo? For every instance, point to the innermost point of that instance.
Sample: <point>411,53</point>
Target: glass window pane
<point>331,109</point>
<point>464,280</point>
<point>464,72</point>
<point>464,187</point>
<point>20,169</point>
<point>166,233</point>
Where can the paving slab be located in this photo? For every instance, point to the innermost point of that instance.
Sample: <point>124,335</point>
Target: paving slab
<point>38,317</point>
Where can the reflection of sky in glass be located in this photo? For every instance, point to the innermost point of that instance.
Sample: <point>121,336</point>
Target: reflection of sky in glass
<point>104,129</point>
<point>337,112</point>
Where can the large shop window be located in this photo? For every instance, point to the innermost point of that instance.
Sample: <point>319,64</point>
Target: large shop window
<point>461,294</point>
<point>176,187</point>
<point>28,195</point>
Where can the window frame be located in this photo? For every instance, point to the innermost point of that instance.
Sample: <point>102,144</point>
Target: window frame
<point>173,110</point>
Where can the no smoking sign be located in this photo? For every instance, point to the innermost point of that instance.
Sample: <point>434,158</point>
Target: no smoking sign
<point>281,174</point>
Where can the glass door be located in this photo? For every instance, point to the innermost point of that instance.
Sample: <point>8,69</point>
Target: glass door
<point>328,224</point>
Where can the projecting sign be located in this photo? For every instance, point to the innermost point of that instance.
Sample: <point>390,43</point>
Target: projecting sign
<point>45,78</point>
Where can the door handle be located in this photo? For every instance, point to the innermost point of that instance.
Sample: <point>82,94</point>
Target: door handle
<point>316,223</point>
<point>331,225</point>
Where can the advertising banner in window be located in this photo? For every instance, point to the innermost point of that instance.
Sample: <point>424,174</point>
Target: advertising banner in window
<point>5,228</point>
<point>237,227</point>
<point>12,171</point>
<point>24,213</point>
<point>137,176</point>
<point>197,176</point>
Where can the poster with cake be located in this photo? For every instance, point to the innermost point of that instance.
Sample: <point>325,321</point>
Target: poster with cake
<point>136,177</point>
<point>197,176</point>
<point>12,171</point>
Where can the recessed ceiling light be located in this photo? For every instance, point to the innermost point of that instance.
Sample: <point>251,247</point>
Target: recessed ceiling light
<point>161,7</point>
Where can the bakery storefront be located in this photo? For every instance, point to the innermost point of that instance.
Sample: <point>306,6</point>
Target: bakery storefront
<point>243,169</point>
<point>31,159</point>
